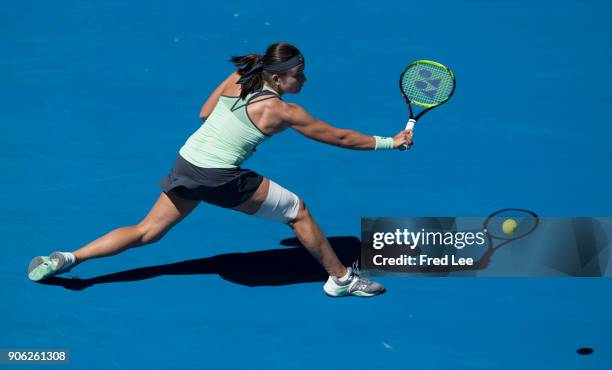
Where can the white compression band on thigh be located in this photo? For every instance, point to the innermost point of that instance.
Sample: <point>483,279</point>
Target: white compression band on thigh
<point>280,204</point>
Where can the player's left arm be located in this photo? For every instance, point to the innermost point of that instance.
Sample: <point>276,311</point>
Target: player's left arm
<point>212,100</point>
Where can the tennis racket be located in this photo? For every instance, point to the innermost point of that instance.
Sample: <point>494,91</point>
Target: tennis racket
<point>526,223</point>
<point>426,84</point>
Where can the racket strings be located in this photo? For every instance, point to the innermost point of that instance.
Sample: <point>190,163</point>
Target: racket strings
<point>427,84</point>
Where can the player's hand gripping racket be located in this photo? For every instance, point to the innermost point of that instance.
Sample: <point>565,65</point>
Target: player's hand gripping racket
<point>426,84</point>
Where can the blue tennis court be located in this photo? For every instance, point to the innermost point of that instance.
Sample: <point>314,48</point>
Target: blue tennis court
<point>97,97</point>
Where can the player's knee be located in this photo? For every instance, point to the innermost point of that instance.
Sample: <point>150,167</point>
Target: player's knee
<point>280,205</point>
<point>153,237</point>
<point>149,232</point>
<point>302,214</point>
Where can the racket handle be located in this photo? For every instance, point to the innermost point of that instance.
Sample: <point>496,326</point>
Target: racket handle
<point>409,126</point>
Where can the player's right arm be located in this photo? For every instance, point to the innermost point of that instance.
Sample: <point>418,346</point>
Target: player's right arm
<point>298,119</point>
<point>212,100</point>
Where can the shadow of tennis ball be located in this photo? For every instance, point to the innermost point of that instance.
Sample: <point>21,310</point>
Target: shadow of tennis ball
<point>584,351</point>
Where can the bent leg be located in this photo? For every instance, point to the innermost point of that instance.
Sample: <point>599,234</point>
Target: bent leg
<point>310,235</point>
<point>167,212</point>
<point>305,228</point>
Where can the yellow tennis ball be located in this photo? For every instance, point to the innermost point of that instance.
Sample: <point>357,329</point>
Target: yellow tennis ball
<point>509,226</point>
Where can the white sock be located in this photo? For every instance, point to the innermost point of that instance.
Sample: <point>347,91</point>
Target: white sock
<point>70,258</point>
<point>345,278</point>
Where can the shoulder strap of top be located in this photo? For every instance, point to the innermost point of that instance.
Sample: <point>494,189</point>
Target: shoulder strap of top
<point>248,99</point>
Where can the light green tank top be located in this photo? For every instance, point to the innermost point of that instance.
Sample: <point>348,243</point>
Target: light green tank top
<point>228,137</point>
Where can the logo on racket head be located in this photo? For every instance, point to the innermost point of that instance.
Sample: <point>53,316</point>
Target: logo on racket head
<point>426,82</point>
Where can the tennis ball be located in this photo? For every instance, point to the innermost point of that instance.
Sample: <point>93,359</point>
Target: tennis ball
<point>509,226</point>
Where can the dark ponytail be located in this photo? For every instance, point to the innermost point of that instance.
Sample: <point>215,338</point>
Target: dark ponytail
<point>247,63</point>
<point>253,65</point>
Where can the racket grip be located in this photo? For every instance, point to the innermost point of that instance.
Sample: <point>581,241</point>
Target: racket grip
<point>409,126</point>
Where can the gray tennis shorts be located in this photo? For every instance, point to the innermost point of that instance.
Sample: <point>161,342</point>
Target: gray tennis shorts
<point>224,187</point>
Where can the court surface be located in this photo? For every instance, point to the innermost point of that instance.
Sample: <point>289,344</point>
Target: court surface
<point>97,97</point>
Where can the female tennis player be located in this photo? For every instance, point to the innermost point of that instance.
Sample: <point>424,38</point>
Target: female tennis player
<point>242,112</point>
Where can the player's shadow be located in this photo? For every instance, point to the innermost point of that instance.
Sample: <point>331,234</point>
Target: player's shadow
<point>262,268</point>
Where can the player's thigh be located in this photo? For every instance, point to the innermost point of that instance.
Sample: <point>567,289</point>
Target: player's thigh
<point>272,202</point>
<point>168,210</point>
<point>252,205</point>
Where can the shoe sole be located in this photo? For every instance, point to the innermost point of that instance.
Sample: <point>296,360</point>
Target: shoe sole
<point>45,267</point>
<point>34,272</point>
<point>356,294</point>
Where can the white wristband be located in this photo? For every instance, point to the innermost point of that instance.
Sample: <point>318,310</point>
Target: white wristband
<point>383,143</point>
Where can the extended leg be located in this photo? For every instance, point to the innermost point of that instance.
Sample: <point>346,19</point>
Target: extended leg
<point>167,212</point>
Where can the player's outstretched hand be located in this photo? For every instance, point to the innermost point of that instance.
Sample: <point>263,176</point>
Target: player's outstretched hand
<point>403,138</point>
